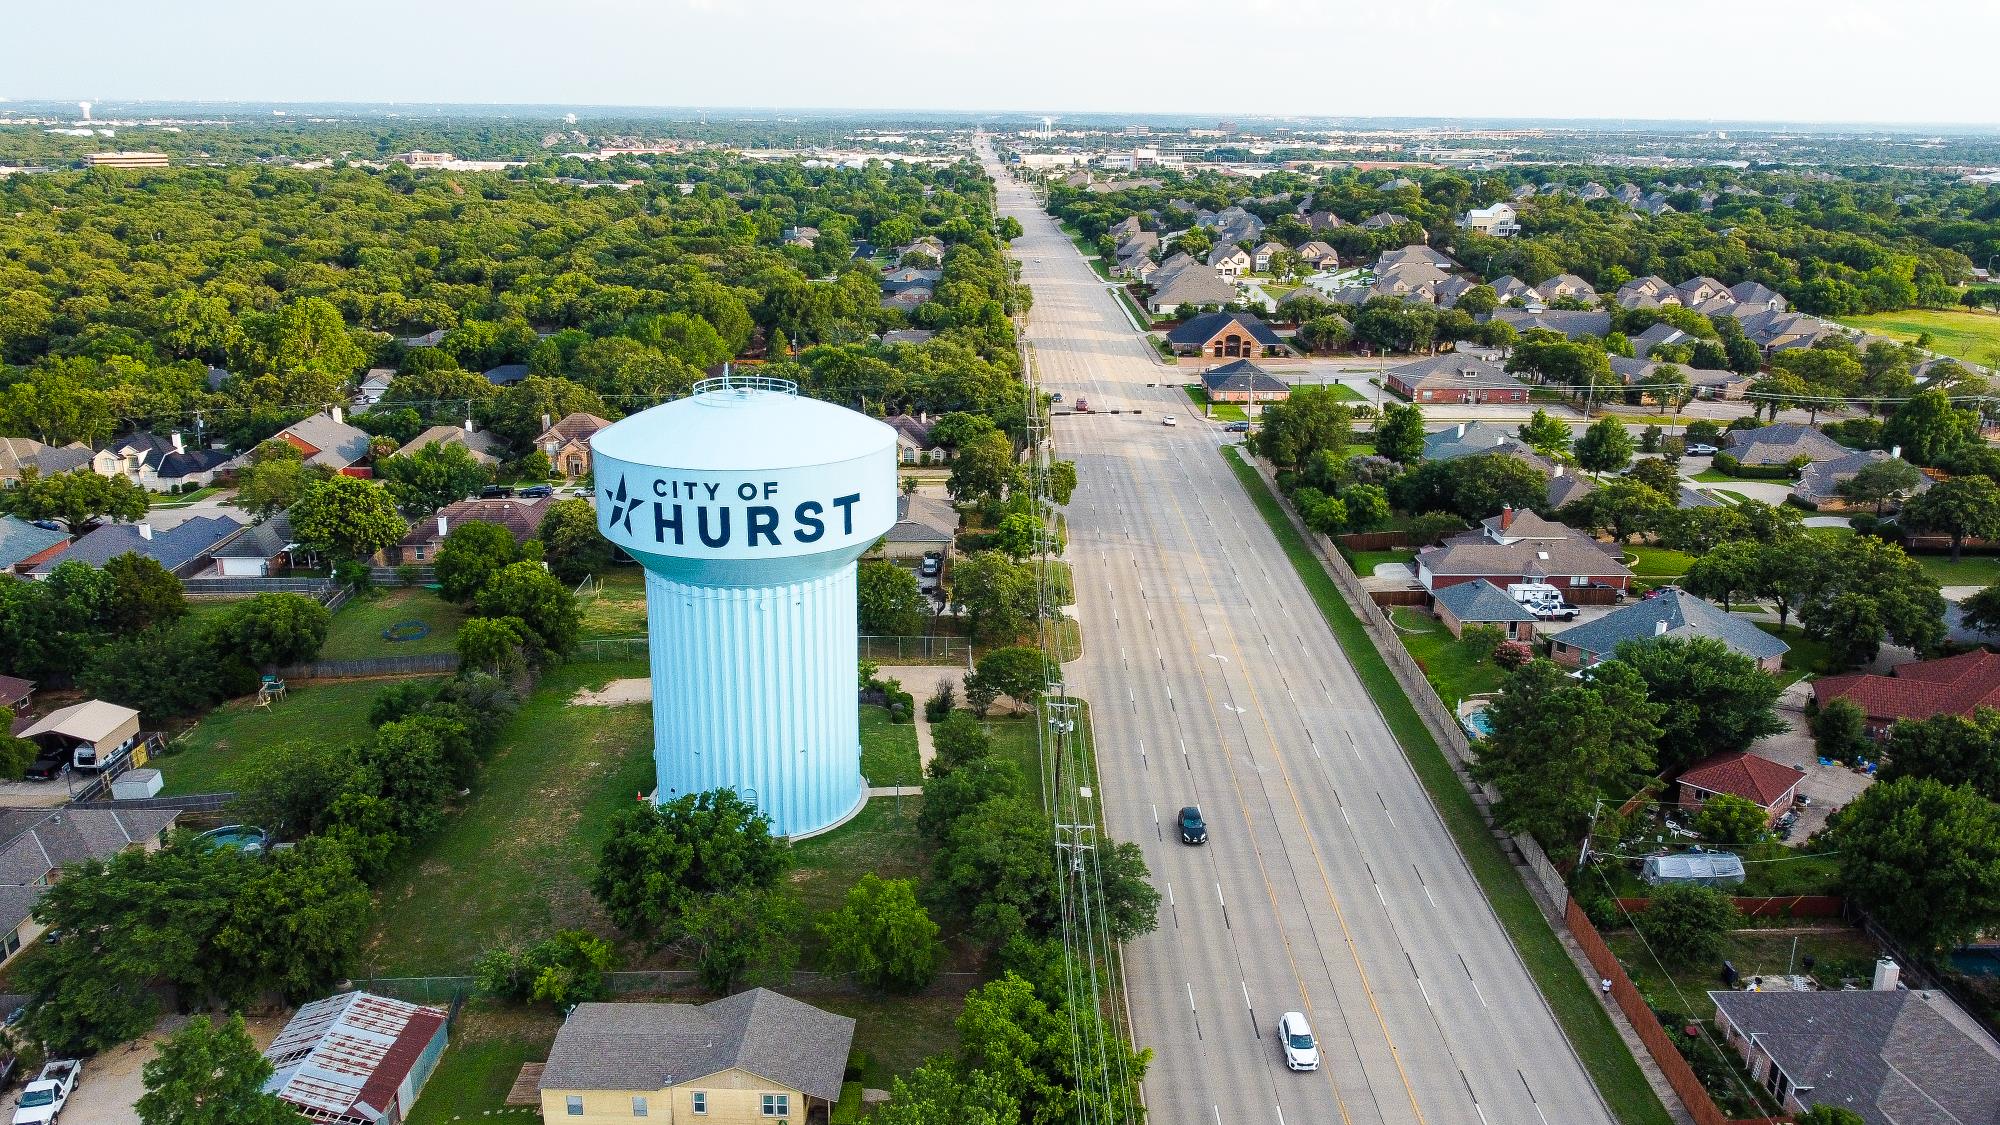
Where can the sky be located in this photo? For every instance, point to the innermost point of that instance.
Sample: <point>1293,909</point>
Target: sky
<point>1729,60</point>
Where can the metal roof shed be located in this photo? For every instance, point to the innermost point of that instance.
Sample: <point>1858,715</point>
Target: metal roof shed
<point>1708,869</point>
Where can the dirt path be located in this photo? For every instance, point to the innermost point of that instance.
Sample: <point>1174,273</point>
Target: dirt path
<point>617,693</point>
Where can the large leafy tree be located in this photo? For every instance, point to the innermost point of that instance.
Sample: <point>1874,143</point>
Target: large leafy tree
<point>433,476</point>
<point>78,499</point>
<point>471,554</point>
<point>1684,924</point>
<point>211,1074</point>
<point>1547,435</point>
<point>143,593</point>
<point>1929,427</point>
<point>544,606</point>
<point>347,518</point>
<point>1606,447</point>
<point>660,858</point>
<point>571,543</point>
<point>1310,421</point>
<point>1923,858</point>
<point>1558,745</point>
<point>274,476</point>
<point>937,1093</point>
<point>1953,749</point>
<point>889,602</point>
<point>1000,598</point>
<point>1880,483</point>
<point>883,935</point>
<point>984,468</point>
<point>1860,591</point>
<point>1713,699</point>
<point>277,629</point>
<point>1008,1031</point>
<point>1962,508</point>
<point>1399,433</point>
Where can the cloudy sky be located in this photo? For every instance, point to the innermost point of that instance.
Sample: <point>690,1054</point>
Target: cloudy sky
<point>1768,60</point>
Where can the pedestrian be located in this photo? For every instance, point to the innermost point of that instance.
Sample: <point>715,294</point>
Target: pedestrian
<point>1604,986</point>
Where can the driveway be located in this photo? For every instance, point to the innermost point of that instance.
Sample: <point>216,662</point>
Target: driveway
<point>1829,787</point>
<point>112,1081</point>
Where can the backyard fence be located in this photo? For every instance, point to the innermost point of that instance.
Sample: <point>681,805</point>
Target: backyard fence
<point>443,989</point>
<point>611,648</point>
<point>1785,906</point>
<point>428,664</point>
<point>319,588</point>
<point>901,650</point>
<point>1374,540</point>
<point>193,802</point>
<point>1415,596</point>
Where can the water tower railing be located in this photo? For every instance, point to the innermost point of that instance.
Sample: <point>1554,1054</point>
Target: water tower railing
<point>734,382</point>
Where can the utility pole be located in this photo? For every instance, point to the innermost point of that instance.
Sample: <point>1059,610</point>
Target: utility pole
<point>1583,853</point>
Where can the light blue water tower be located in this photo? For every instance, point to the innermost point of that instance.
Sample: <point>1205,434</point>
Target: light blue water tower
<point>748,506</point>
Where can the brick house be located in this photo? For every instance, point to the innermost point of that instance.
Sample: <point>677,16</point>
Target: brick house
<point>523,518</point>
<point>1767,784</point>
<point>1522,547</point>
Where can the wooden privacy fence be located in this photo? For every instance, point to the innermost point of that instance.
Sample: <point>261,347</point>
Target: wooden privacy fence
<point>1659,1042</point>
<point>1373,540</point>
<point>1415,596</point>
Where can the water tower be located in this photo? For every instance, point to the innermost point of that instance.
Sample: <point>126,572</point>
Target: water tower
<point>748,507</point>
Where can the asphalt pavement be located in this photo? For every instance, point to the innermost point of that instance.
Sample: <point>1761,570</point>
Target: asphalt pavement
<point>1329,885</point>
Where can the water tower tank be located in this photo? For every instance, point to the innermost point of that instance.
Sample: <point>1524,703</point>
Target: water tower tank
<point>748,506</point>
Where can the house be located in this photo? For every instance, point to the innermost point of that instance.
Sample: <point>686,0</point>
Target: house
<point>801,236</point>
<point>22,543</point>
<point>1574,324</point>
<point>1409,277</point>
<point>374,385</point>
<point>1470,439</point>
<point>930,246</point>
<point>913,440</point>
<point>1649,292</point>
<point>183,549</point>
<point>1672,613</point>
<point>567,443</point>
<point>1888,1054</point>
<point>261,551</point>
<point>1480,602</point>
<point>1818,486</point>
<point>506,374</point>
<point>1658,335</point>
<point>16,693</point>
<point>156,463</point>
<point>1775,332</point>
<point>1565,486</point>
<point>1454,378</point>
<point>325,439</point>
<point>429,339</point>
<point>1761,298</point>
<point>907,300</point>
<point>1767,784</point>
<point>35,844</point>
<point>1260,259</point>
<point>1194,285</point>
<point>924,525</point>
<point>1500,220</point>
<point>1781,443</point>
<point>910,277</point>
<point>1523,547</point>
<point>522,517</point>
<point>757,1056</point>
<point>484,447</point>
<point>1123,228</point>
<point>1705,869</point>
<point>908,336</point>
<point>1696,290</point>
<point>1244,382</point>
<point>356,1058</point>
<point>216,377</point>
<point>1415,253</point>
<point>1566,285</point>
<point>1229,260</point>
<point>1383,220</point>
<point>1950,685</point>
<point>1318,255</point>
<point>1224,335</point>
<point>17,453</point>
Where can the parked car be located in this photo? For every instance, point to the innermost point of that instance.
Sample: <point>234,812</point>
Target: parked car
<point>45,1097</point>
<point>496,491</point>
<point>1702,449</point>
<point>48,765</point>
<point>1057,397</point>
<point>1194,830</point>
<point>1296,1036</point>
<point>1236,428</point>
<point>1170,420</point>
<point>929,567</point>
<point>536,491</point>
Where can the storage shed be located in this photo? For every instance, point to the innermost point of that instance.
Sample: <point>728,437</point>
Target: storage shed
<point>1707,869</point>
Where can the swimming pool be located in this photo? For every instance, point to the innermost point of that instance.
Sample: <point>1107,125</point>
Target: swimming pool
<point>244,838</point>
<point>1477,724</point>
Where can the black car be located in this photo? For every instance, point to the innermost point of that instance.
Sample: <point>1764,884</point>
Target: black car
<point>49,765</point>
<point>536,492</point>
<point>1194,830</point>
<point>496,492</point>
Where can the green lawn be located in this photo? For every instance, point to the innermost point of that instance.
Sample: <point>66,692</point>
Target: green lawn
<point>357,627</point>
<point>889,750</point>
<point>1577,1009</point>
<point>897,1033</point>
<point>1954,332</point>
<point>211,755</point>
<point>1659,562</point>
<point>1808,656</point>
<point>183,499</point>
<point>1365,562</point>
<point>1675,989</point>
<point>1969,570</point>
<point>1221,411</point>
<point>488,1045</point>
<point>511,865</point>
<point>1448,663</point>
<point>881,838</point>
<point>618,609</point>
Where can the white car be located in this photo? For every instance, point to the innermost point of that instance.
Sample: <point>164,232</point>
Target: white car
<point>1702,449</point>
<point>1296,1036</point>
<point>1170,420</point>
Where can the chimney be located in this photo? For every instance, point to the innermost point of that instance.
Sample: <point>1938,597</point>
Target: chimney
<point>178,447</point>
<point>1461,430</point>
<point>335,413</point>
<point>1558,472</point>
<point>145,531</point>
<point>545,423</point>
<point>1886,974</point>
<point>1895,451</point>
<point>441,526</point>
<point>468,424</point>
<point>1660,627</point>
<point>1506,516</point>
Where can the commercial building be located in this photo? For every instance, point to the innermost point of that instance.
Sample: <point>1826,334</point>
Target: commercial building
<point>125,160</point>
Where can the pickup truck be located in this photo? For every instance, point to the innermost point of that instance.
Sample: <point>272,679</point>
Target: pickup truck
<point>44,1098</point>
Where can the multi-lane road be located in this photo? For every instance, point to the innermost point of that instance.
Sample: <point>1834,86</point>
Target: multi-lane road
<point>1328,885</point>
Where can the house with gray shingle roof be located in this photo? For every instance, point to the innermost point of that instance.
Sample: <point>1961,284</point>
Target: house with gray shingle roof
<point>184,549</point>
<point>1572,323</point>
<point>1522,547</point>
<point>21,541</point>
<point>1566,285</point>
<point>1482,603</point>
<point>924,525</point>
<point>1244,382</point>
<point>1891,1055</point>
<point>1196,284</point>
<point>36,843</point>
<point>1470,439</point>
<point>1781,443</point>
<point>1673,613</point>
<point>1818,486</point>
<point>755,1055</point>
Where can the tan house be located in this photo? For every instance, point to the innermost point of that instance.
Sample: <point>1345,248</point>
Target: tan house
<point>36,843</point>
<point>568,443</point>
<point>755,1058</point>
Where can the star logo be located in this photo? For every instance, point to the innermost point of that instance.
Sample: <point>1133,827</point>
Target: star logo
<point>620,505</point>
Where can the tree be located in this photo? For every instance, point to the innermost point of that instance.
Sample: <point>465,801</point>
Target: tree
<point>16,754</point>
<point>1000,598</point>
<point>1031,1048</point>
<point>726,933</point>
<point>1829,1115</point>
<point>882,935</point>
<point>1474,488</point>
<point>1131,904</point>
<point>1953,749</point>
<point>1022,534</point>
<point>1558,745</point>
<point>296,921</point>
<point>1840,730</point>
<point>1062,481</point>
<point>1929,428</point>
<point>471,554</point>
<point>1881,482</point>
<point>1857,592</point>
<point>210,1074</point>
<point>1367,507</point>
<point>545,607</point>
<point>274,477</point>
<point>290,792</point>
<point>79,498</point>
<point>1923,858</point>
<point>1730,821</point>
<point>1018,672</point>
<point>571,544</point>
<point>889,601</point>
<point>936,1093</point>
<point>346,517</point>
<point>1548,436</point>
<point>1605,447</point>
<point>278,629</point>
<point>1981,611</point>
<point>1684,923</point>
<point>561,971</point>
<point>435,475</point>
<point>1714,698</point>
<point>1310,421</point>
<point>1399,433</point>
<point>660,857</point>
<point>983,468</point>
<point>166,671</point>
<point>1657,475</point>
<point>495,645</point>
<point>1729,570</point>
<point>143,594</point>
<point>1962,507</point>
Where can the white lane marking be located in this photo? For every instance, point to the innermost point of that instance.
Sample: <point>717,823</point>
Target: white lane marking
<point>1378,895</point>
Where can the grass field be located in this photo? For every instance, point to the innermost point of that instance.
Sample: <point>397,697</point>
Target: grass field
<point>357,627</point>
<point>1658,562</point>
<point>889,750</point>
<point>512,864</point>
<point>1963,333</point>
<point>488,1046</point>
<point>1808,656</point>
<point>1221,411</point>
<point>1678,989</point>
<point>1448,663</point>
<point>618,609</point>
<point>1584,1022</point>
<point>1365,562</point>
<point>212,754</point>
<point>1969,570</point>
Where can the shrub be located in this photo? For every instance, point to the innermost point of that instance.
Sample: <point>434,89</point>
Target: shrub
<point>1512,655</point>
<point>941,702</point>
